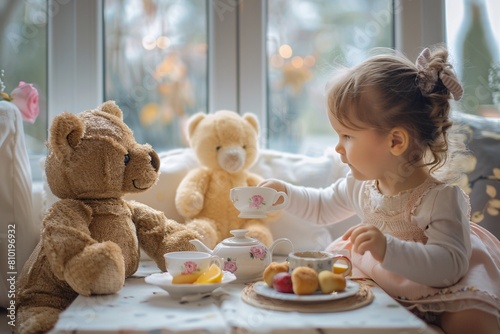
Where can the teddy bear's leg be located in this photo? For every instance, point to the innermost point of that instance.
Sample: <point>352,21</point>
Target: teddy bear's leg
<point>259,230</point>
<point>35,320</point>
<point>97,269</point>
<point>41,297</point>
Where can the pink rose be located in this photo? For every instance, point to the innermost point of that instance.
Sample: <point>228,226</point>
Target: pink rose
<point>25,97</point>
<point>258,252</point>
<point>230,266</point>
<point>189,267</point>
<point>256,201</point>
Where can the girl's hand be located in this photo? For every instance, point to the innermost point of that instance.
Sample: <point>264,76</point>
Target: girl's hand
<point>275,184</point>
<point>367,238</point>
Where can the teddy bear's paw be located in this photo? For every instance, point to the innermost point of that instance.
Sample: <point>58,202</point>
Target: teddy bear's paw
<point>206,230</point>
<point>193,205</point>
<point>35,320</point>
<point>260,233</point>
<point>98,269</point>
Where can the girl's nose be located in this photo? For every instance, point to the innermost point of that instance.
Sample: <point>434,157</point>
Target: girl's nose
<point>339,148</point>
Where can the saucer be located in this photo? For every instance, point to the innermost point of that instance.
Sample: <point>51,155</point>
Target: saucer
<point>164,281</point>
<point>252,215</point>
<point>261,288</point>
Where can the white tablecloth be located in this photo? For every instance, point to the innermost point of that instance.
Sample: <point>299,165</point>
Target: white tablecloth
<point>143,308</point>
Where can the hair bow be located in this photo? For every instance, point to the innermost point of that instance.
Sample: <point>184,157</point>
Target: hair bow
<point>428,77</point>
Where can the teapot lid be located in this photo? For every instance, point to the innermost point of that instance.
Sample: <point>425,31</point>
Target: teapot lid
<point>239,239</point>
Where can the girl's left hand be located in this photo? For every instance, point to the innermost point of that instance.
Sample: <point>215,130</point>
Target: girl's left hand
<point>367,238</point>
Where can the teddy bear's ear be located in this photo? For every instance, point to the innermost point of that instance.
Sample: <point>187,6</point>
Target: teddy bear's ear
<point>193,123</point>
<point>252,120</point>
<point>66,133</point>
<point>111,108</point>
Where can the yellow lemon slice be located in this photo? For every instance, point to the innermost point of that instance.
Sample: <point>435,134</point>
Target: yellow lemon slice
<point>185,278</point>
<point>212,275</point>
<point>339,268</point>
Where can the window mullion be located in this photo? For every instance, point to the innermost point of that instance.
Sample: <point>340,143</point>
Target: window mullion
<point>418,24</point>
<point>75,74</point>
<point>252,60</point>
<point>222,55</point>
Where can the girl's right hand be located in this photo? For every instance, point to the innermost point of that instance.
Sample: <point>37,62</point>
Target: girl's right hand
<point>274,184</point>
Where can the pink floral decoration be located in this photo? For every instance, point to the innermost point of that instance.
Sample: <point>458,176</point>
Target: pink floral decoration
<point>258,252</point>
<point>256,201</point>
<point>25,97</point>
<point>189,267</point>
<point>230,265</point>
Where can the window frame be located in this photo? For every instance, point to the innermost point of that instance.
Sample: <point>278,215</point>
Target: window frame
<point>236,52</point>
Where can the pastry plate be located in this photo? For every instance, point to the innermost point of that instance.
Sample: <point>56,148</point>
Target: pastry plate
<point>164,281</point>
<point>262,289</point>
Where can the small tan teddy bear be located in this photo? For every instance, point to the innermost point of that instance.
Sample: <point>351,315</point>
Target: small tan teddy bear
<point>91,237</point>
<point>226,146</point>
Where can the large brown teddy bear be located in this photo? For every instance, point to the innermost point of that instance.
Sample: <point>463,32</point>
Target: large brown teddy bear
<point>226,146</point>
<point>91,237</point>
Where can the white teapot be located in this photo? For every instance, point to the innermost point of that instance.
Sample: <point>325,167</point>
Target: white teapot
<point>245,257</point>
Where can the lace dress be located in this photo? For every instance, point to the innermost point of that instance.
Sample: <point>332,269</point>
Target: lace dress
<point>479,288</point>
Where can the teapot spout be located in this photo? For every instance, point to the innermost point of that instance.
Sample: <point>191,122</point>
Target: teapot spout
<point>200,246</point>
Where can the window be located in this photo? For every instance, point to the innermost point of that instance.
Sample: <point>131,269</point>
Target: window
<point>23,55</point>
<point>269,57</point>
<point>304,39</point>
<point>156,65</point>
<point>473,34</point>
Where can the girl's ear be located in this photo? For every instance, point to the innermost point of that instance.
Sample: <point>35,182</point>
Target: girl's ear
<point>399,140</point>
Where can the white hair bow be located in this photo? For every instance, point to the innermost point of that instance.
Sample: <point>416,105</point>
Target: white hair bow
<point>428,77</point>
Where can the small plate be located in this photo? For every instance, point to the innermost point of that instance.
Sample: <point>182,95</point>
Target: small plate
<point>262,289</point>
<point>164,281</point>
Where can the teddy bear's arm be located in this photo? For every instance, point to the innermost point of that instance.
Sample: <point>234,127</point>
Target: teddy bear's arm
<point>88,266</point>
<point>65,233</point>
<point>190,195</point>
<point>158,235</point>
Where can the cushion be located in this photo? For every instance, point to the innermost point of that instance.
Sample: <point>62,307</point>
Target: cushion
<point>18,232</point>
<point>483,180</point>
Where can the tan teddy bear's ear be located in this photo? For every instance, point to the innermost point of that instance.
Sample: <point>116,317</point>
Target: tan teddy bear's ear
<point>111,108</point>
<point>193,122</point>
<point>66,133</point>
<point>252,120</point>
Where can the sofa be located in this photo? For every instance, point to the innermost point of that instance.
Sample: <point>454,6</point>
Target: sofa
<point>481,183</point>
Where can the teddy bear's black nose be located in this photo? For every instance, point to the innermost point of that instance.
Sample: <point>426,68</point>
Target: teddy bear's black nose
<point>155,160</point>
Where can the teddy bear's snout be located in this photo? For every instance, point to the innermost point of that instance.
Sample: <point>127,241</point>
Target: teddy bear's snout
<point>155,160</point>
<point>232,159</point>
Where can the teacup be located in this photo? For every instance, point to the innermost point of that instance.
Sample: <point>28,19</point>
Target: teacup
<point>319,261</point>
<point>256,202</point>
<point>190,262</point>
<point>342,266</point>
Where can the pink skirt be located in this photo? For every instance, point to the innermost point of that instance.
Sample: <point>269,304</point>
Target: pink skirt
<point>478,289</point>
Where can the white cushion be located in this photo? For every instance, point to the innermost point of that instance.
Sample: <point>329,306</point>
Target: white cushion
<point>16,213</point>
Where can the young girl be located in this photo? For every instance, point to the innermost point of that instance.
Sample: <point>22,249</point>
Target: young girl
<point>415,240</point>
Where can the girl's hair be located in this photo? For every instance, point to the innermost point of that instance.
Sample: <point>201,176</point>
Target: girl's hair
<point>385,92</point>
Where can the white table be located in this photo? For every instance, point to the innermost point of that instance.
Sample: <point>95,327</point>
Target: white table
<point>143,308</point>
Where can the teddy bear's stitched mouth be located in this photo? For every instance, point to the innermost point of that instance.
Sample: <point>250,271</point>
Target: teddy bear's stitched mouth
<point>138,188</point>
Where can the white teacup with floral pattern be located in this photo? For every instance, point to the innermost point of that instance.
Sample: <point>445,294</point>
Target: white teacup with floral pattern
<point>190,262</point>
<point>256,202</point>
<point>319,261</point>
